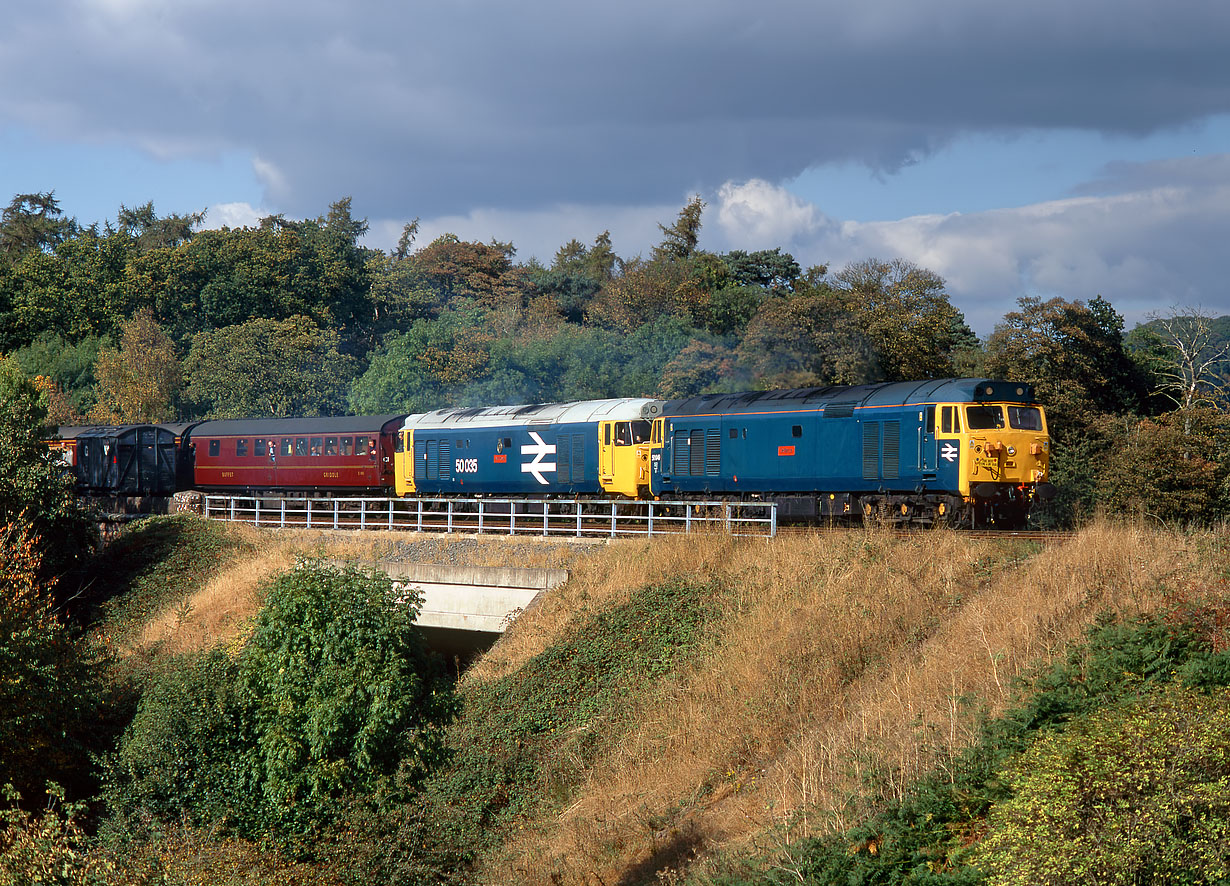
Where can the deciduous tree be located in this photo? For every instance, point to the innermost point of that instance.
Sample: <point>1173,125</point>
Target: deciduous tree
<point>141,380</point>
<point>905,312</point>
<point>34,489</point>
<point>266,368</point>
<point>1073,353</point>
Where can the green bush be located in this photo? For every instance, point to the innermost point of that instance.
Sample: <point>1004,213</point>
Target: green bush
<point>333,693</point>
<point>1137,794</point>
<point>342,691</point>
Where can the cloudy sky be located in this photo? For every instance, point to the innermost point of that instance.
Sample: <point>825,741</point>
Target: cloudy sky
<point>1044,148</point>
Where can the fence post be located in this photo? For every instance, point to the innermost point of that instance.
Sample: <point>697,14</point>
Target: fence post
<point>256,517</point>
<point>480,516</point>
<point>649,530</point>
<point>687,518</point>
<point>282,521</point>
<point>577,502</point>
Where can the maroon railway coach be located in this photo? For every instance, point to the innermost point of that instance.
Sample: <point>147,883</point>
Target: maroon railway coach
<point>339,454</point>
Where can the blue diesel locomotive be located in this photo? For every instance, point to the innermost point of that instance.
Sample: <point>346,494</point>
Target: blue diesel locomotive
<point>970,451</point>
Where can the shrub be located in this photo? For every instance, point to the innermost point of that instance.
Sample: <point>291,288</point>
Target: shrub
<point>333,692</point>
<point>342,691</point>
<point>1126,795</point>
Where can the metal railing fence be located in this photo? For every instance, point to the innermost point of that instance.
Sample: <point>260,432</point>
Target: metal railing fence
<point>547,517</point>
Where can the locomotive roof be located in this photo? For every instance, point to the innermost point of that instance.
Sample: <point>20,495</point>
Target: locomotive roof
<point>941,390</point>
<point>623,409</point>
<point>272,427</point>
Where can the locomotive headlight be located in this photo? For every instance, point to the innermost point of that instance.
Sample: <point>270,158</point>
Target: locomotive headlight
<point>1046,445</point>
<point>1011,450</point>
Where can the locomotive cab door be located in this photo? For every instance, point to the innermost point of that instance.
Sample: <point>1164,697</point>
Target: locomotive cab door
<point>403,463</point>
<point>926,443</point>
<point>623,460</point>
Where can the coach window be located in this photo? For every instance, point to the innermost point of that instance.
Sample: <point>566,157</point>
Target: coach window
<point>288,446</point>
<point>330,445</point>
<point>348,446</point>
<point>316,445</point>
<point>241,448</point>
<point>215,447</point>
<point>301,446</point>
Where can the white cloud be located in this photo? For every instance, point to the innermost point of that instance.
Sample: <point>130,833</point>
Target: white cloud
<point>1142,250</point>
<point>233,215</point>
<point>762,215</point>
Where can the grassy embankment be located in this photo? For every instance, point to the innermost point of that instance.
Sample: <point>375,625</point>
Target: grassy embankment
<point>812,678</point>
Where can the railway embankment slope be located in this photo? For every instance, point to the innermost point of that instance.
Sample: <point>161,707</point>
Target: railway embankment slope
<point>713,710</point>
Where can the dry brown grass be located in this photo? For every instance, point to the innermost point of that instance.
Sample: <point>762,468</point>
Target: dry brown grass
<point>222,608</point>
<point>845,655</point>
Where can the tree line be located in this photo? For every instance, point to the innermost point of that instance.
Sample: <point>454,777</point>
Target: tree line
<point>151,318</point>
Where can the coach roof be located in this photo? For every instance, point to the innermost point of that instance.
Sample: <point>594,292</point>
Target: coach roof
<point>302,427</point>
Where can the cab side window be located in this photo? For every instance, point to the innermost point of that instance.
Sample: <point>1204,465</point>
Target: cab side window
<point>950,423</point>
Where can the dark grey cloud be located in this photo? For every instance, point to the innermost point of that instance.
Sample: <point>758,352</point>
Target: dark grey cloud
<point>441,108</point>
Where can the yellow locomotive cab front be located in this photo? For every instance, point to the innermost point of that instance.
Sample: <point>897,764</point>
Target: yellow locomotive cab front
<point>1005,444</point>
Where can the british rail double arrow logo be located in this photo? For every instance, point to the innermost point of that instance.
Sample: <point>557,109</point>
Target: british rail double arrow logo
<point>539,450</point>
